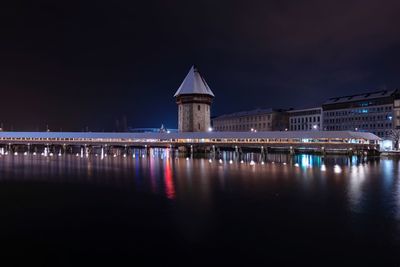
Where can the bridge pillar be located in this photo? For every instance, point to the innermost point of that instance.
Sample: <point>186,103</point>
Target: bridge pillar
<point>323,152</point>
<point>262,154</point>
<point>125,153</point>
<point>266,153</point>
<point>350,152</point>
<point>171,151</point>
<point>146,150</point>
<point>102,152</point>
<point>236,154</point>
<point>106,150</point>
<point>240,153</point>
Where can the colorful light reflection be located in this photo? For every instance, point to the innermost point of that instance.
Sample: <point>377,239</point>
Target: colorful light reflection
<point>168,180</point>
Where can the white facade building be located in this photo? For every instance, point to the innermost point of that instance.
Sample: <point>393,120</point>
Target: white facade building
<point>376,112</point>
<point>305,119</point>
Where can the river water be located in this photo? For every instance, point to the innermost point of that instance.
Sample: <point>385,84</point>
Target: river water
<point>165,210</point>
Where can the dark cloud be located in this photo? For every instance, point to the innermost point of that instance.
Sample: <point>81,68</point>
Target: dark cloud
<point>77,64</point>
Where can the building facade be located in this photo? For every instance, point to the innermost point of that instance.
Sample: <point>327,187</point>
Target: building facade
<point>305,119</point>
<point>194,98</point>
<point>375,112</point>
<point>254,120</point>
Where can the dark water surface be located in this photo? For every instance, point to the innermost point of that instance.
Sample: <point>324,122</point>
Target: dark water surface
<point>166,211</point>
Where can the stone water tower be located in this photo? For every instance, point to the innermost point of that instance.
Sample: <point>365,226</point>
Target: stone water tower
<point>194,98</point>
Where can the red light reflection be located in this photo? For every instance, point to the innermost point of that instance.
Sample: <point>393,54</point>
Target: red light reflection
<point>168,180</point>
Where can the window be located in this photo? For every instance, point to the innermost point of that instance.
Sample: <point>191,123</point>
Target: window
<point>198,108</point>
<point>199,123</point>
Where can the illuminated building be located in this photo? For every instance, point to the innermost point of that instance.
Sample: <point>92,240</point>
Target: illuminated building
<point>253,120</point>
<point>375,112</point>
<point>194,98</point>
<point>305,119</point>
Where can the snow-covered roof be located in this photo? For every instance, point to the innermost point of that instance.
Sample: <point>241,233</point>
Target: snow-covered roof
<point>304,109</point>
<point>198,135</point>
<point>253,112</point>
<point>361,97</point>
<point>194,83</point>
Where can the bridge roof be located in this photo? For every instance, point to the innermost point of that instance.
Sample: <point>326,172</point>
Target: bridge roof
<point>194,83</point>
<point>198,135</point>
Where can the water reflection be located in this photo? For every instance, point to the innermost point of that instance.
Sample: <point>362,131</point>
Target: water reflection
<point>355,184</point>
<point>397,198</point>
<point>168,179</point>
<point>366,182</point>
<point>307,161</point>
<point>159,200</point>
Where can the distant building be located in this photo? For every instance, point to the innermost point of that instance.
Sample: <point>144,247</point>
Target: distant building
<point>194,98</point>
<point>254,120</point>
<point>305,119</point>
<point>151,130</point>
<point>162,129</point>
<point>375,112</point>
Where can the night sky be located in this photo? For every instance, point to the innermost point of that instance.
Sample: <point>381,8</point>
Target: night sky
<point>84,64</point>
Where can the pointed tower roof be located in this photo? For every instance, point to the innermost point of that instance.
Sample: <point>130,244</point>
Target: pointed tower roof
<point>194,83</point>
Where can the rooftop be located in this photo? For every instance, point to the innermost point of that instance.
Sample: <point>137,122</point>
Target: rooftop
<point>194,83</point>
<point>303,109</point>
<point>361,97</point>
<point>253,112</point>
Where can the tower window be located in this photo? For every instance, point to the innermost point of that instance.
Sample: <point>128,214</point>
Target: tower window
<point>199,123</point>
<point>198,107</point>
